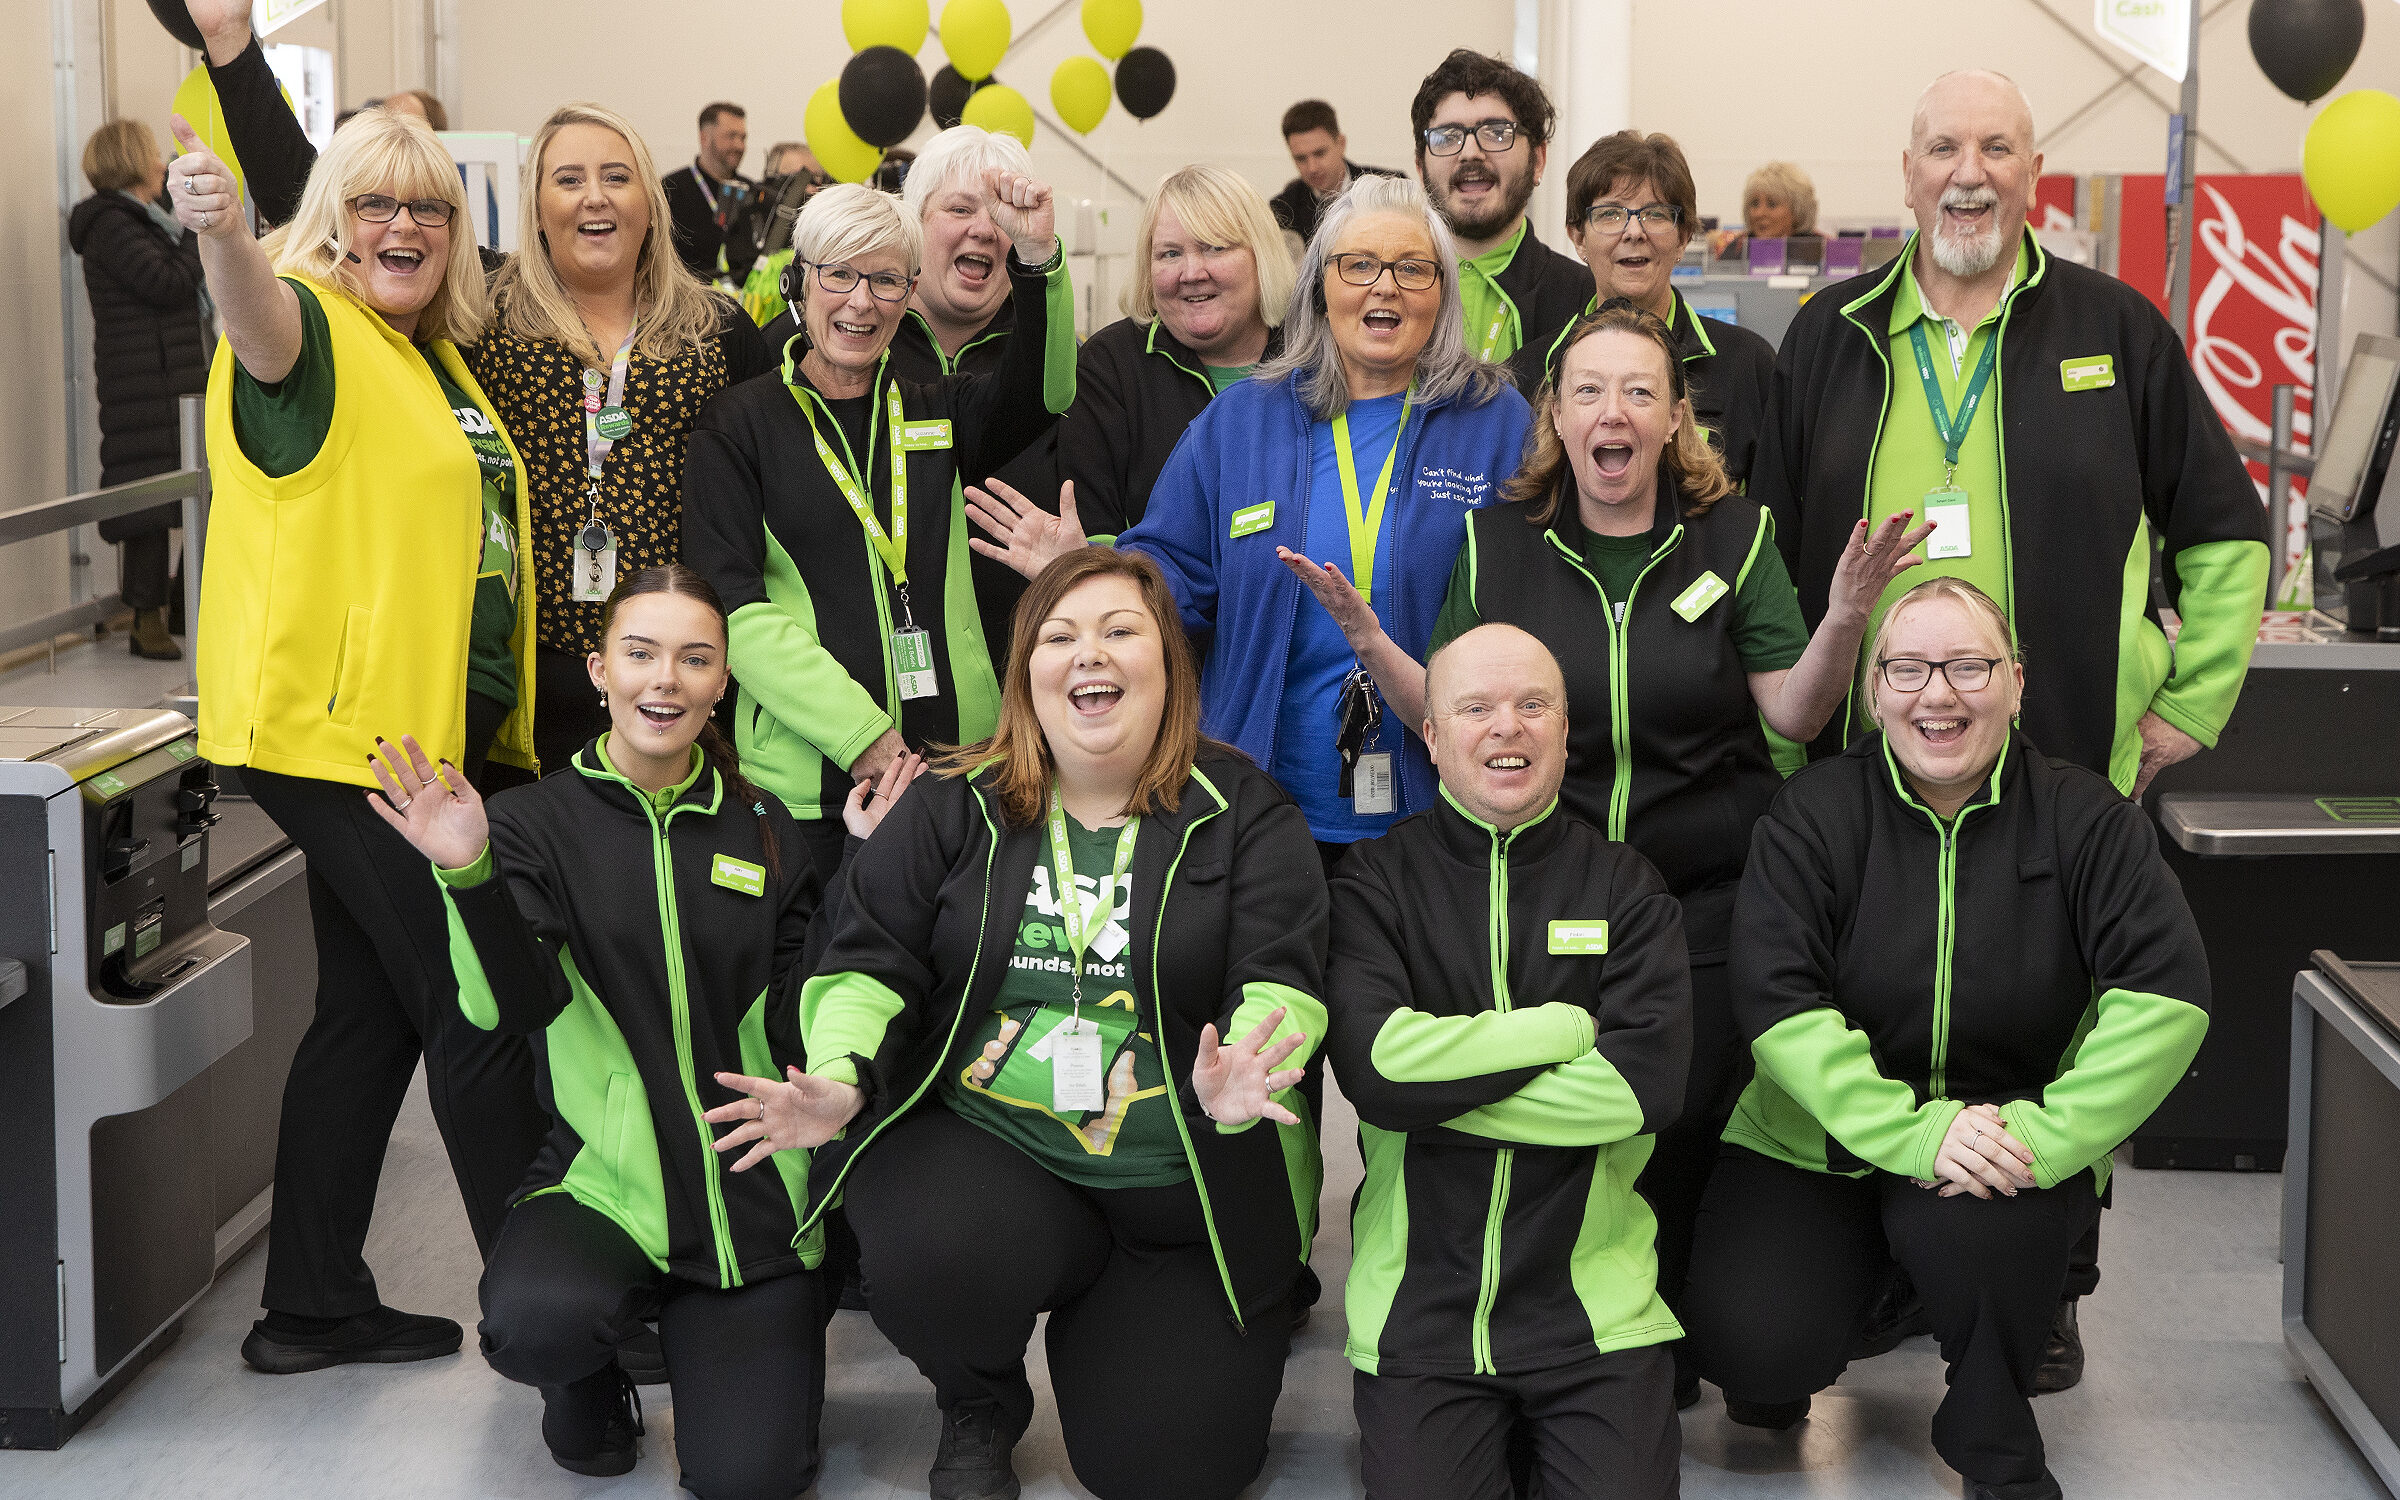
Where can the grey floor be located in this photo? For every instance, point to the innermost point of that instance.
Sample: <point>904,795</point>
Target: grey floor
<point>2188,1393</point>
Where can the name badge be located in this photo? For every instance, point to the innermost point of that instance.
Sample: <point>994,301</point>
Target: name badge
<point>912,663</point>
<point>1579,937</point>
<point>916,436</point>
<point>1371,785</point>
<point>2092,372</point>
<point>738,875</point>
<point>1077,1084</point>
<point>1706,590</point>
<point>1250,519</point>
<point>1953,534</point>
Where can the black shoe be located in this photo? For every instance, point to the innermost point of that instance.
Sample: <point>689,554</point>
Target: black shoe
<point>2061,1368</point>
<point>1774,1416</point>
<point>853,1296</point>
<point>594,1427</point>
<point>1899,1315</point>
<point>2044,1488</point>
<point>1687,1391</point>
<point>641,1358</point>
<point>973,1461</point>
<point>385,1336</point>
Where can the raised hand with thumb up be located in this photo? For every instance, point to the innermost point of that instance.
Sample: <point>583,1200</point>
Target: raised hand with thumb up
<point>202,188</point>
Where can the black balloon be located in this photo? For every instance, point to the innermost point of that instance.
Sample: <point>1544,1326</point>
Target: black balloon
<point>883,95</point>
<point>2305,46</point>
<point>1145,82</point>
<point>178,22</point>
<point>949,95</point>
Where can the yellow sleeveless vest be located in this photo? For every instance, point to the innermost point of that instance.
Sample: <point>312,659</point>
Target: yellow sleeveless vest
<point>335,602</point>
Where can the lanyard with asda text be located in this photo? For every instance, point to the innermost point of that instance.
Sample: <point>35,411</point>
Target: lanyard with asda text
<point>1083,922</point>
<point>1366,521</point>
<point>891,546</point>
<point>1953,437</point>
<point>605,421</point>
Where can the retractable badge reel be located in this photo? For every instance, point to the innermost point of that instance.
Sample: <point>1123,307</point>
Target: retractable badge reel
<point>1366,777</point>
<point>592,571</point>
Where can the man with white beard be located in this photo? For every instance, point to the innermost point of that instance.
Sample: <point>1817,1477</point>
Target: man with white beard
<point>2045,417</point>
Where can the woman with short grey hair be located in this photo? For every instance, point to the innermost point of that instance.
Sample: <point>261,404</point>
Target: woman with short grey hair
<point>1365,443</point>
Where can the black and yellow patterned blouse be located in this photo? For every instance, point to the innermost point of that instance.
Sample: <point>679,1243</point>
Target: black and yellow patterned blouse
<point>537,388</point>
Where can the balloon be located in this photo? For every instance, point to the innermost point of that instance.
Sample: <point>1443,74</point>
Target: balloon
<point>838,148</point>
<point>1001,110</point>
<point>883,95</point>
<point>2351,158</point>
<point>1079,92</point>
<point>196,101</point>
<point>884,23</point>
<point>1112,25</point>
<point>949,95</point>
<point>1145,82</point>
<point>2305,46</point>
<point>178,21</point>
<point>975,33</point>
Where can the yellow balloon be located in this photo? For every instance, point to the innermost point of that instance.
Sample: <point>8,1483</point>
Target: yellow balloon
<point>2351,158</point>
<point>885,23</point>
<point>1080,92</point>
<point>975,33</point>
<point>1001,110</point>
<point>1112,25</point>
<point>196,101</point>
<point>844,156</point>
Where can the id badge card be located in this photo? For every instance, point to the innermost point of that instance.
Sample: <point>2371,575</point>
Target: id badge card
<point>912,661</point>
<point>1371,784</point>
<point>1077,1085</point>
<point>1953,534</point>
<point>593,574</point>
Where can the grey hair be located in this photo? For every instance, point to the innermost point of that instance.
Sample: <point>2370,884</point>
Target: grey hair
<point>958,157</point>
<point>1916,116</point>
<point>851,219</point>
<point>1446,369</point>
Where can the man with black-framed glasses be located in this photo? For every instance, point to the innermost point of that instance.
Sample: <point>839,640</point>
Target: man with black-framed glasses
<point>1482,130</point>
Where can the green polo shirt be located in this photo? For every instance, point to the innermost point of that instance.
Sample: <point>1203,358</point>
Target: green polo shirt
<point>1909,457</point>
<point>1493,328</point>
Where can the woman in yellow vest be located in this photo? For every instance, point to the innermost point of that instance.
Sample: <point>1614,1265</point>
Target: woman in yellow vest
<point>362,570</point>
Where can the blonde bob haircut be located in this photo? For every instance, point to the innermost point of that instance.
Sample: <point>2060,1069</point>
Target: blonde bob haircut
<point>958,158</point>
<point>121,156</point>
<point>1219,208</point>
<point>1018,753</point>
<point>1785,183</point>
<point>1687,465</point>
<point>382,152</point>
<point>673,309</point>
<point>852,219</point>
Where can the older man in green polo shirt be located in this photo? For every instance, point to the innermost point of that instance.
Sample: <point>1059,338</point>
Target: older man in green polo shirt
<point>2046,417</point>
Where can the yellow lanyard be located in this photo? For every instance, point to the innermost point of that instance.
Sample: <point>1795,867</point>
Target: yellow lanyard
<point>1366,521</point>
<point>892,547</point>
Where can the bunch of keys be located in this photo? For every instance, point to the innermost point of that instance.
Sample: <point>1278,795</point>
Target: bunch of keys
<point>593,573</point>
<point>1366,779</point>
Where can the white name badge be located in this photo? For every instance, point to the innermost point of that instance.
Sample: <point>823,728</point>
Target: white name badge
<point>1076,1084</point>
<point>594,574</point>
<point>1371,784</point>
<point>912,662</point>
<point>1953,534</point>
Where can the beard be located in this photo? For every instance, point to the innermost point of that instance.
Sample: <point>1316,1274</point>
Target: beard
<point>1516,190</point>
<point>1966,255</point>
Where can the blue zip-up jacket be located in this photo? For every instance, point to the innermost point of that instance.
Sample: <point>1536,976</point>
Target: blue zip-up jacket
<point>1250,447</point>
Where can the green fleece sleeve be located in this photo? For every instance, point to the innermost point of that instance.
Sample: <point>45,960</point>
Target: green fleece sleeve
<point>1827,1067</point>
<point>1586,1102</point>
<point>1302,1012</point>
<point>2122,1069</point>
<point>1058,334</point>
<point>473,873</point>
<point>843,1017</point>
<point>782,665</point>
<point>1414,1047</point>
<point>2224,591</point>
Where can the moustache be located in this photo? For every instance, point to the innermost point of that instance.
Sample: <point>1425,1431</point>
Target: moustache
<point>1970,198</point>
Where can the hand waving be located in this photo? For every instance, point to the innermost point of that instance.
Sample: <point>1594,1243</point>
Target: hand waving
<point>439,814</point>
<point>792,1115</point>
<point>1029,537</point>
<point>1341,599</point>
<point>1870,563</point>
<point>1239,1082</point>
<point>1022,210</point>
<point>201,187</point>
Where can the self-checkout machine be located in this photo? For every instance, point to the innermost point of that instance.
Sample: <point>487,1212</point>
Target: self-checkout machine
<point>108,1222</point>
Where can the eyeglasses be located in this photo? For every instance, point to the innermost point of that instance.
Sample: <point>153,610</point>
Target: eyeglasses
<point>1493,135</point>
<point>1968,674</point>
<point>382,208</point>
<point>1360,269</point>
<point>1609,218</point>
<point>841,280</point>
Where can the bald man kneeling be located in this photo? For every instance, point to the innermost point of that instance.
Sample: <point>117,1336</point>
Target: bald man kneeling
<point>1511,1014</point>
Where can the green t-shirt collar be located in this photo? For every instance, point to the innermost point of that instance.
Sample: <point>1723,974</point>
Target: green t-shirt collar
<point>1495,260</point>
<point>1911,305</point>
<point>664,797</point>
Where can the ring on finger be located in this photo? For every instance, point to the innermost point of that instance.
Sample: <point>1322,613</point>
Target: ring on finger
<point>191,185</point>
<point>402,804</point>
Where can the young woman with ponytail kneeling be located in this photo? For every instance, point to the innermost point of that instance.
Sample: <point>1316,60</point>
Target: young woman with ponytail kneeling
<point>647,925</point>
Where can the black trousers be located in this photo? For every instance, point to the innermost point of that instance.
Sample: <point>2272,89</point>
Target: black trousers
<point>1787,1264</point>
<point>142,569</point>
<point>1601,1428</point>
<point>1685,1153</point>
<point>385,997</point>
<point>965,1240</point>
<point>566,1283</point>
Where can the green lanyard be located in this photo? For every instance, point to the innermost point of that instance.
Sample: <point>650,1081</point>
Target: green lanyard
<point>1366,521</point>
<point>1953,438</point>
<point>1083,923</point>
<point>891,547</point>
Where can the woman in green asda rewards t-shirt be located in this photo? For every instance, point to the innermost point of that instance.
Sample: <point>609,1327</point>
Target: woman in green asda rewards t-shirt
<point>363,571</point>
<point>1061,990</point>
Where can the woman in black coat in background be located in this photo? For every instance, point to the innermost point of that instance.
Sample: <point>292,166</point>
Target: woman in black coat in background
<point>149,346</point>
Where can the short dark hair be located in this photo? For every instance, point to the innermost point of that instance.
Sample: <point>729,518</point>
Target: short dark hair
<point>1469,72</point>
<point>1308,115</point>
<point>708,116</point>
<point>1629,154</point>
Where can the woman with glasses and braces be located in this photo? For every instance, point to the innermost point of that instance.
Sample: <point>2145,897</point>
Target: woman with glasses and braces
<point>1966,975</point>
<point>824,502</point>
<point>1631,209</point>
